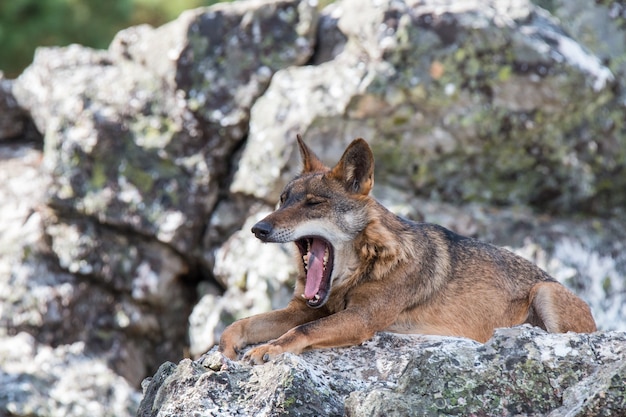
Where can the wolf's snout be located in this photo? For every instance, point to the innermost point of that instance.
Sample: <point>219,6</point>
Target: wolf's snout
<point>262,230</point>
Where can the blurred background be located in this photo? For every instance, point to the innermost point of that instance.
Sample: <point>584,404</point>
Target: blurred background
<point>27,24</point>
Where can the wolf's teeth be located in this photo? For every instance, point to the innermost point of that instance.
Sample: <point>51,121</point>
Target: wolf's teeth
<point>326,257</point>
<point>303,296</point>
<point>317,297</point>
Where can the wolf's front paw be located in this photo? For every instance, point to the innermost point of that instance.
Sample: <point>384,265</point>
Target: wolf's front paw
<point>231,341</point>
<point>229,351</point>
<point>263,353</point>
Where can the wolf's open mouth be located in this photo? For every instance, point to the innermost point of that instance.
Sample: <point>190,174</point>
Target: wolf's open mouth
<point>318,256</point>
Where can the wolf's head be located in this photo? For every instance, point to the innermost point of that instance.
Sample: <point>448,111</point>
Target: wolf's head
<point>322,210</point>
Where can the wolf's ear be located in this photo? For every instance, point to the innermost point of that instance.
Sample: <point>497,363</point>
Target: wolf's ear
<point>310,162</point>
<point>356,168</point>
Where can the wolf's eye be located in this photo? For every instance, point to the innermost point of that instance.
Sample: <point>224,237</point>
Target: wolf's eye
<point>313,201</point>
<point>283,197</point>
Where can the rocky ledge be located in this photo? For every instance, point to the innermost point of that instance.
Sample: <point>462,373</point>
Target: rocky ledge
<point>520,371</point>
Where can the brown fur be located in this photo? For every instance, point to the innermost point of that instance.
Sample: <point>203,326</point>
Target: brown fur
<point>393,274</point>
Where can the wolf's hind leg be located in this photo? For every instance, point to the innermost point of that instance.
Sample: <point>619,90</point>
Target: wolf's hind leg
<point>556,309</point>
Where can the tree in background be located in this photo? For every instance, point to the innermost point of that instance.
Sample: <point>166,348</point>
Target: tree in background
<point>27,24</point>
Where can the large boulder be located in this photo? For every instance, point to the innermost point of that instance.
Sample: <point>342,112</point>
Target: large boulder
<point>480,102</point>
<point>148,154</point>
<point>521,371</point>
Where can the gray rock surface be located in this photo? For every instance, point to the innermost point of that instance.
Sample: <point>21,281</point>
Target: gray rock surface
<point>521,371</point>
<point>39,380</point>
<point>150,156</point>
<point>461,102</point>
<point>600,26</point>
<point>13,119</point>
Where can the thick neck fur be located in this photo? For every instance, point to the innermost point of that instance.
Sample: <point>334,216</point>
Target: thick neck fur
<point>385,242</point>
<point>385,245</point>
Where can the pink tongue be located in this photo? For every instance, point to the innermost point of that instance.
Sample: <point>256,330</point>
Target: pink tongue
<point>316,269</point>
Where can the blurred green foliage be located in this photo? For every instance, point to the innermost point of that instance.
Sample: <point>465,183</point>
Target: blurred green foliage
<point>27,24</point>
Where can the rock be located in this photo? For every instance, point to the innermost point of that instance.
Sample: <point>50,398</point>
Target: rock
<point>599,26</point>
<point>515,373</point>
<point>38,380</point>
<point>22,187</point>
<point>330,40</point>
<point>222,58</point>
<point>521,371</point>
<point>288,101</point>
<point>65,283</point>
<point>59,308</point>
<point>480,102</point>
<point>270,266</point>
<point>13,119</point>
<point>601,395</point>
<point>105,163</point>
<point>148,270</point>
<point>228,218</point>
<point>147,155</point>
<point>311,384</point>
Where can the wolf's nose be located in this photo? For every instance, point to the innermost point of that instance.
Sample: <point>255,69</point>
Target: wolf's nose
<point>262,230</point>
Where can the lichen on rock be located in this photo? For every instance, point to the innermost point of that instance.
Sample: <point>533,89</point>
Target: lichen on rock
<point>521,371</point>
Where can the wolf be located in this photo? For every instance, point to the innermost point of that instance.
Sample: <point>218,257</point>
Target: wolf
<point>363,269</point>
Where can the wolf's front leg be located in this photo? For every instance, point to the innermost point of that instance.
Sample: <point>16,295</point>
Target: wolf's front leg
<point>266,326</point>
<point>345,328</point>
